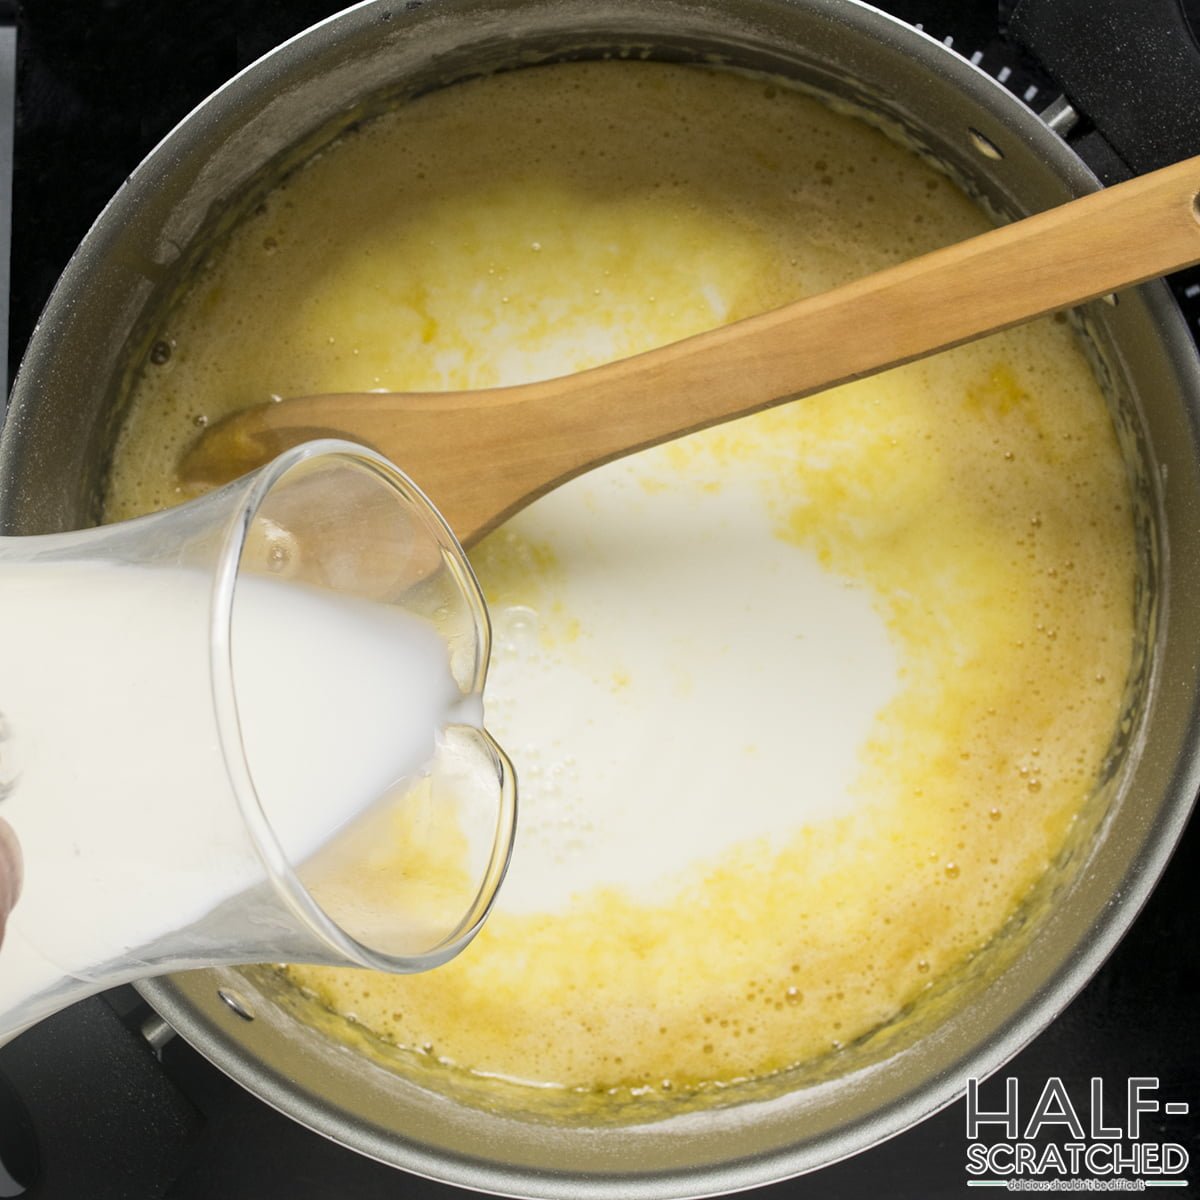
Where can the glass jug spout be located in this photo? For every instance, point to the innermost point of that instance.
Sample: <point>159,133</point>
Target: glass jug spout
<point>246,729</point>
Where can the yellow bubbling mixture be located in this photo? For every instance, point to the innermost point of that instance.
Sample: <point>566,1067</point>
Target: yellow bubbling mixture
<point>548,219</point>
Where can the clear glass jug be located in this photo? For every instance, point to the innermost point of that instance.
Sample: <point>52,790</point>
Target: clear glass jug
<point>247,729</point>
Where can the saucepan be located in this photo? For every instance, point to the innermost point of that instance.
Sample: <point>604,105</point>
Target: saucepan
<point>66,409</point>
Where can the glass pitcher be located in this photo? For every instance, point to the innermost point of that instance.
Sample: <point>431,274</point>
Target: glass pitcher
<point>245,729</point>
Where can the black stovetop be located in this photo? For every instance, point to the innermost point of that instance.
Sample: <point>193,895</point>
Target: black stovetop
<point>99,84</point>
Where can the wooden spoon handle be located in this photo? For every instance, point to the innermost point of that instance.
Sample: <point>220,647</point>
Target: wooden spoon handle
<point>1111,239</point>
<point>1108,240</point>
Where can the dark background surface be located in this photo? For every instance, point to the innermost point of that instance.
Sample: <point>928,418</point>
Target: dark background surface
<point>99,1116</point>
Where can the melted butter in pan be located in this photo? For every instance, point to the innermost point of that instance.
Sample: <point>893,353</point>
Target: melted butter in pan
<point>801,707</point>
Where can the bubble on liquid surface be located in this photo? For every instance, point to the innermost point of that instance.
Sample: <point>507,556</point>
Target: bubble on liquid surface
<point>518,630</point>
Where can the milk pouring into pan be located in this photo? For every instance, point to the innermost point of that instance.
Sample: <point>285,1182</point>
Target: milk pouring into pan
<point>246,728</point>
<point>233,678</point>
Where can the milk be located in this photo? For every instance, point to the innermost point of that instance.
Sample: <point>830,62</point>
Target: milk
<point>120,795</point>
<point>691,685</point>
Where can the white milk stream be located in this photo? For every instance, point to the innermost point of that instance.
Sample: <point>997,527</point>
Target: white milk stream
<point>118,789</point>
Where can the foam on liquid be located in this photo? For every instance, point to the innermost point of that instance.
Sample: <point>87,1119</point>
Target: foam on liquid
<point>801,707</point>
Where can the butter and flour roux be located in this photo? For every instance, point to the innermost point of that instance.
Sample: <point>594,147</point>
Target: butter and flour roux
<point>801,707</point>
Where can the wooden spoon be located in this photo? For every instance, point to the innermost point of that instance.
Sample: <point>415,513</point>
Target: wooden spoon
<point>482,455</point>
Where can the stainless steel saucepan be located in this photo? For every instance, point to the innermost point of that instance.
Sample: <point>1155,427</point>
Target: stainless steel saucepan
<point>93,334</point>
